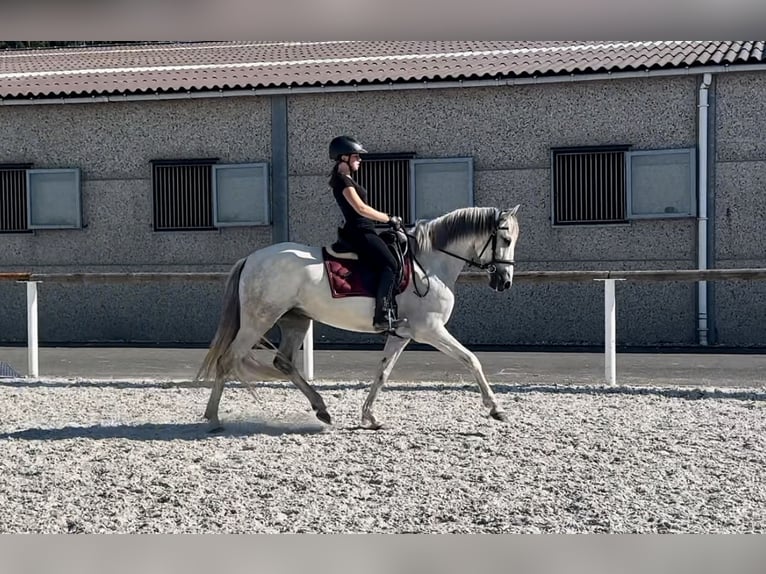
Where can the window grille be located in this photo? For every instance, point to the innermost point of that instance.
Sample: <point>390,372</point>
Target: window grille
<point>386,177</point>
<point>183,196</point>
<point>589,186</point>
<point>13,199</point>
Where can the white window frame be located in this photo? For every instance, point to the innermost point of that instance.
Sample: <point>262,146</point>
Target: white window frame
<point>413,187</point>
<point>266,195</point>
<point>77,224</point>
<point>691,154</point>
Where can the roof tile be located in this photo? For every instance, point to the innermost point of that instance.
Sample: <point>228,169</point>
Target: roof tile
<point>196,66</point>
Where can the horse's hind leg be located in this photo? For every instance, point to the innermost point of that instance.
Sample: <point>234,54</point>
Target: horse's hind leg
<point>447,344</point>
<point>391,353</point>
<point>230,363</point>
<point>293,328</point>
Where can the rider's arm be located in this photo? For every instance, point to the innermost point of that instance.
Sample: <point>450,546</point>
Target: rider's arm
<point>362,208</point>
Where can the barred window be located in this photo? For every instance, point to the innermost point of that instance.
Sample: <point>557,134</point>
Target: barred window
<point>202,194</point>
<point>589,186</point>
<point>422,188</point>
<point>183,194</point>
<point>39,198</point>
<point>13,198</point>
<point>614,184</point>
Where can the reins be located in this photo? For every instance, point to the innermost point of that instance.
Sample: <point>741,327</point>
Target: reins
<point>414,260</point>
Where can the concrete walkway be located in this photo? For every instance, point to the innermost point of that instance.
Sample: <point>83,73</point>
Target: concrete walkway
<point>657,369</point>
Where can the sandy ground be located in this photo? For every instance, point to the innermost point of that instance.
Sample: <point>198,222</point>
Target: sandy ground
<point>135,457</point>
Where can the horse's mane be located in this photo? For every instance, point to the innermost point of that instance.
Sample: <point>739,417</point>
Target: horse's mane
<point>463,223</point>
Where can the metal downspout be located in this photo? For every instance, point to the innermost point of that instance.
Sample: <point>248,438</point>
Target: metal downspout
<point>702,218</point>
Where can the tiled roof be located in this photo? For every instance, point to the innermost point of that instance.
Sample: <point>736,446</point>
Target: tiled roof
<point>181,67</point>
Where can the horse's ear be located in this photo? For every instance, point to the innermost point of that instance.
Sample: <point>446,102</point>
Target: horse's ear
<point>514,210</point>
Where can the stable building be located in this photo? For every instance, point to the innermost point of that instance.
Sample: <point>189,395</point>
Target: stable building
<point>186,157</point>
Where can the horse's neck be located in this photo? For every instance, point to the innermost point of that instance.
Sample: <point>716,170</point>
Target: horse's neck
<point>445,266</point>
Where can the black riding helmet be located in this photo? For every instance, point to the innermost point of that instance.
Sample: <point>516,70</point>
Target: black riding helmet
<point>344,145</point>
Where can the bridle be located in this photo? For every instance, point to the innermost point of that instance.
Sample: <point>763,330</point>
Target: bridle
<point>490,266</point>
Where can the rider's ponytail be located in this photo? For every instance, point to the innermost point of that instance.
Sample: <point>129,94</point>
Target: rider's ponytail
<point>334,172</point>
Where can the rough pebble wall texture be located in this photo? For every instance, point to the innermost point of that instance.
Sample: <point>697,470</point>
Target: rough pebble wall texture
<point>740,210</point>
<point>509,132</point>
<point>113,144</point>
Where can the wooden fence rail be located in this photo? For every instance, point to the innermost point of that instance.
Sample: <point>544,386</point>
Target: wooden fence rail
<point>468,277</point>
<point>608,277</point>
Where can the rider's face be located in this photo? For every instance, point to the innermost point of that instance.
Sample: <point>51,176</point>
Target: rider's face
<point>354,161</point>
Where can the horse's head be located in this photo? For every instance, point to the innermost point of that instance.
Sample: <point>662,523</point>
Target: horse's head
<point>483,237</point>
<point>499,250</point>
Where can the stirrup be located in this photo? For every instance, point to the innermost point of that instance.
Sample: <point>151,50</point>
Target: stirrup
<point>389,324</point>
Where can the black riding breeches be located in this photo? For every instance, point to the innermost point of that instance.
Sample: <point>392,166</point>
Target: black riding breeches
<point>373,249</point>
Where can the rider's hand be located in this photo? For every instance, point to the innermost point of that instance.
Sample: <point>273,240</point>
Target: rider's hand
<point>395,221</point>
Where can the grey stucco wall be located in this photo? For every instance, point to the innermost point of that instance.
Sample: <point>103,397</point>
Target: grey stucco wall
<point>509,132</point>
<point>113,144</point>
<point>740,213</point>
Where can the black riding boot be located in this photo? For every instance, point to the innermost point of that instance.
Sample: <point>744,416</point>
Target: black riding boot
<point>385,318</point>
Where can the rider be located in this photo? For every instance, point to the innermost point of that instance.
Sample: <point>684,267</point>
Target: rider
<point>359,229</point>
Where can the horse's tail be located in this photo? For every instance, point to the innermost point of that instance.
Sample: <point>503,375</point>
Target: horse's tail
<point>228,325</point>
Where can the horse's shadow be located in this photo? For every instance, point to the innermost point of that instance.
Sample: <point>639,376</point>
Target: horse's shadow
<point>168,432</point>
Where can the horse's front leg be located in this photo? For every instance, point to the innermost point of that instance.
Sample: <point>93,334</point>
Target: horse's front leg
<point>391,353</point>
<point>443,340</point>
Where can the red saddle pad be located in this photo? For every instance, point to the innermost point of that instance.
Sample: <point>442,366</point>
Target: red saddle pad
<point>353,278</point>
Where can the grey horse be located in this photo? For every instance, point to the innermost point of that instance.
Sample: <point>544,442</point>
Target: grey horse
<point>286,284</point>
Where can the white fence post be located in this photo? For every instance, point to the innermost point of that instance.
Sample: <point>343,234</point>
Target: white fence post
<point>308,353</point>
<point>610,331</point>
<point>33,363</point>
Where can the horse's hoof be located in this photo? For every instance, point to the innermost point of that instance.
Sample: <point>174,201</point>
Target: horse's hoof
<point>371,425</point>
<point>324,416</point>
<point>499,416</point>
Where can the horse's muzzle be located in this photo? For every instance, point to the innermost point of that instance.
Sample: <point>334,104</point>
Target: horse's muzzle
<point>499,283</point>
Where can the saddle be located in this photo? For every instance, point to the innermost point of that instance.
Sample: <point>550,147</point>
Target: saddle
<point>351,277</point>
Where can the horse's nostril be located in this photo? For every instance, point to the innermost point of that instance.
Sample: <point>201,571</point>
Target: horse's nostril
<point>507,284</point>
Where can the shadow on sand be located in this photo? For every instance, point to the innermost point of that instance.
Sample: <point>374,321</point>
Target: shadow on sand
<point>169,431</point>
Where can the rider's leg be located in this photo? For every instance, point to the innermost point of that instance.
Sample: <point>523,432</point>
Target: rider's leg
<point>384,301</point>
<point>374,250</point>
